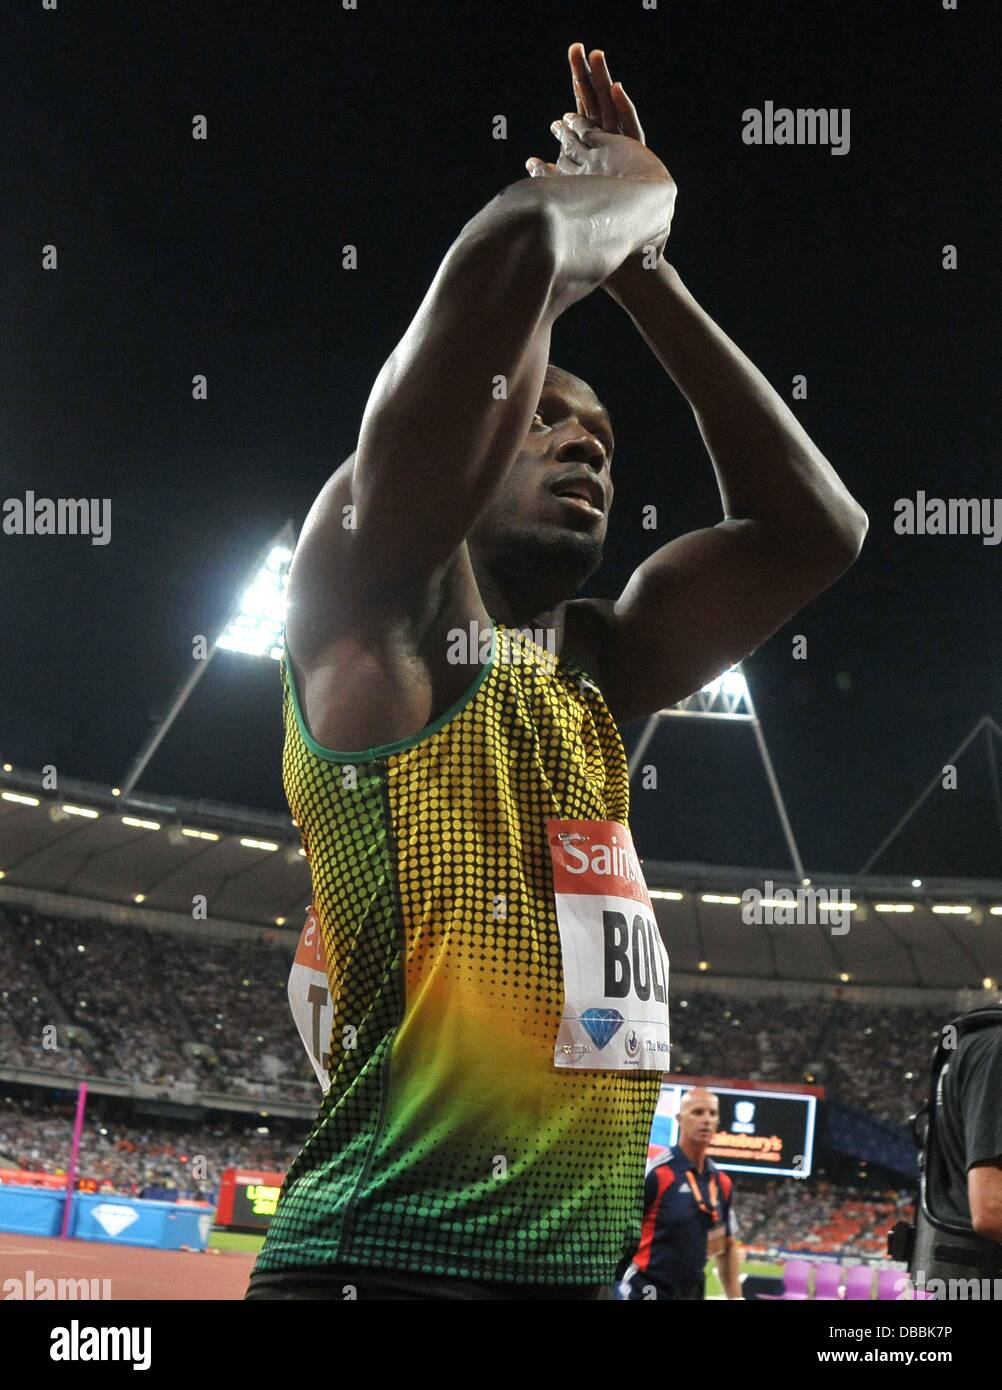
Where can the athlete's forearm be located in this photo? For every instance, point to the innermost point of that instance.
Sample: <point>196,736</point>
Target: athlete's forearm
<point>594,223</point>
<point>767,467</point>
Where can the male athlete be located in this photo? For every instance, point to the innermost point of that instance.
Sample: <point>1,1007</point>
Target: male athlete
<point>498,981</point>
<point>688,1215</point>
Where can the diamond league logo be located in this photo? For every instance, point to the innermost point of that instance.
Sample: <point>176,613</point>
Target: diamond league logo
<point>601,1025</point>
<point>114,1219</point>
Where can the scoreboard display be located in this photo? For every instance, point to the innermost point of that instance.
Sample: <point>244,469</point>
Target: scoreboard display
<point>761,1131</point>
<point>247,1199</point>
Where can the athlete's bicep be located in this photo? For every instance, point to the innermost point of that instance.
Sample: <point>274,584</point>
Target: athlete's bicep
<point>695,607</point>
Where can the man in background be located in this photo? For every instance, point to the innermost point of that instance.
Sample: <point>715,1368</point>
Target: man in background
<point>688,1215</point>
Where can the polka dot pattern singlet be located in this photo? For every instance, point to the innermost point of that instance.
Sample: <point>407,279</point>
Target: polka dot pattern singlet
<point>449,1143</point>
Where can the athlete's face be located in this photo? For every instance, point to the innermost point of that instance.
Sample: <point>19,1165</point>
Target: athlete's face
<point>699,1118</point>
<point>568,449</point>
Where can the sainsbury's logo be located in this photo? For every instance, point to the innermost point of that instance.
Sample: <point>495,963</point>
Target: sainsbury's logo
<point>614,860</point>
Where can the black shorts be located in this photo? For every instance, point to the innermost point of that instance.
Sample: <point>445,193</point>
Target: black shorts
<point>665,1293</point>
<point>344,1283</point>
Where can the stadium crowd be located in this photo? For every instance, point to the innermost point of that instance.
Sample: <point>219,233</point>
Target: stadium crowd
<point>131,1004</point>
<point>870,1059</point>
<point>817,1216</point>
<point>139,1005</point>
<point>88,999</point>
<point>128,1158</point>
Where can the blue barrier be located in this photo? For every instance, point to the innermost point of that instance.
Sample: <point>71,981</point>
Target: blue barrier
<point>31,1211</point>
<point>131,1221</point>
<point>110,1219</point>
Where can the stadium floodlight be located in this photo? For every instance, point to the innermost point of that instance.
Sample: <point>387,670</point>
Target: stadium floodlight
<point>669,894</point>
<point>256,628</point>
<point>726,697</point>
<point>21,799</point>
<point>821,907</point>
<point>718,898</point>
<point>138,824</point>
<point>950,909</point>
<point>198,834</point>
<point>258,844</point>
<point>80,811</point>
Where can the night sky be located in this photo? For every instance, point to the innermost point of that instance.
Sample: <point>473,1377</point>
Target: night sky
<point>374,127</point>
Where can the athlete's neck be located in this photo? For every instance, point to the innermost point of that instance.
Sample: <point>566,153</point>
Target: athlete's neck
<point>528,586</point>
<point>517,612</point>
<point>695,1152</point>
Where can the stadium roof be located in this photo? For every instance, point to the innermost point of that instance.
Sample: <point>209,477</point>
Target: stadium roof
<point>159,852</point>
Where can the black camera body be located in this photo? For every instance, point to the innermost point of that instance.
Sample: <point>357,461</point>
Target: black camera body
<point>934,1248</point>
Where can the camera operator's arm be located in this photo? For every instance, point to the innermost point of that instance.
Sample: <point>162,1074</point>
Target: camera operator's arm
<point>984,1192</point>
<point>981,1100</point>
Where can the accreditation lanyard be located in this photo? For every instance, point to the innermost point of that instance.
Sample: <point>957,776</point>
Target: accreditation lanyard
<point>712,1211</point>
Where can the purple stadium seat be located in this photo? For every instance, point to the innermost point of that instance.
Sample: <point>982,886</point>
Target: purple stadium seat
<point>795,1276</point>
<point>893,1284</point>
<point>858,1282</point>
<point>827,1282</point>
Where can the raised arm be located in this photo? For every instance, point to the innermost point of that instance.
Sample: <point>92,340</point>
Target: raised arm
<point>453,403</point>
<point>451,406</point>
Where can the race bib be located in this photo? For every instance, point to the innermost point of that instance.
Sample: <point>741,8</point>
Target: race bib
<point>310,997</point>
<point>615,965</point>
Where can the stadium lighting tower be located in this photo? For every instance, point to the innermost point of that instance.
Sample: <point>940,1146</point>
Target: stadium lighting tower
<point>254,627</point>
<point>987,724</point>
<point>727,697</point>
